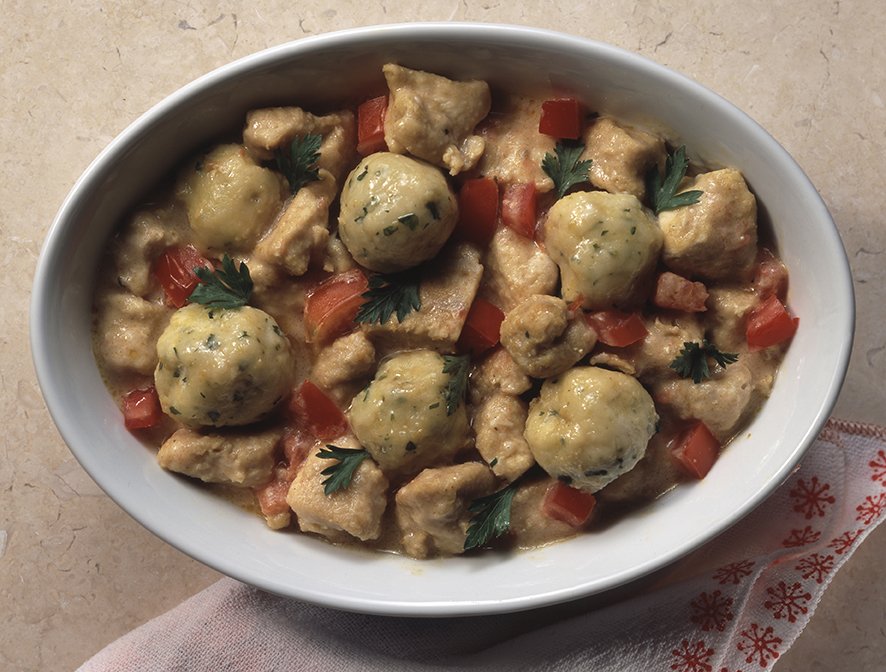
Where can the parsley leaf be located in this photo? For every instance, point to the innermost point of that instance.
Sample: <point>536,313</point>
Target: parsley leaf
<point>299,165</point>
<point>664,193</point>
<point>226,287</point>
<point>457,368</point>
<point>394,293</point>
<point>565,169</point>
<point>339,475</point>
<point>692,362</point>
<point>492,517</point>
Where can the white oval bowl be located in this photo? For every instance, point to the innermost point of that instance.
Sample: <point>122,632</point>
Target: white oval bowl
<point>319,72</point>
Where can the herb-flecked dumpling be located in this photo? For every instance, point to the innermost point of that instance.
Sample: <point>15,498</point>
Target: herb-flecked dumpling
<point>220,367</point>
<point>396,212</point>
<point>590,425</point>
<point>606,246</point>
<point>403,418</point>
<point>229,198</point>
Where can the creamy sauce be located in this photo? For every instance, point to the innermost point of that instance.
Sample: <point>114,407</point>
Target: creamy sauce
<point>391,380</point>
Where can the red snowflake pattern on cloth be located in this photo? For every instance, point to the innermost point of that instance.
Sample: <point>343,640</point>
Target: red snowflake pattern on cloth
<point>844,542</point>
<point>813,499</point>
<point>759,644</point>
<point>787,601</point>
<point>734,572</point>
<point>802,537</point>
<point>711,611</point>
<point>878,465</point>
<point>692,657</point>
<point>815,566</point>
<point>871,508</point>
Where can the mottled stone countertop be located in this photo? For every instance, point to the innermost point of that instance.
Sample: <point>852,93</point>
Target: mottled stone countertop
<point>75,571</point>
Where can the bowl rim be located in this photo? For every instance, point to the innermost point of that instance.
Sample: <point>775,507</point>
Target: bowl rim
<point>53,248</point>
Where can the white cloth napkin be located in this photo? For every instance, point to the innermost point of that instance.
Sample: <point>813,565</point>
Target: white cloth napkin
<point>736,604</point>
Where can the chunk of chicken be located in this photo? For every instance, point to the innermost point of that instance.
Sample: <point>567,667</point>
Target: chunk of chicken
<point>301,231</point>
<point>433,118</point>
<point>234,457</point>
<point>432,509</point>
<point>141,241</point>
<point>621,156</point>
<point>127,329</point>
<point>355,511</point>
<point>514,147</point>
<point>498,372</point>
<point>656,473</point>
<point>722,402</point>
<point>650,359</point>
<point>300,234</point>
<point>530,527</point>
<point>516,268</point>
<point>344,364</point>
<point>544,338</point>
<point>498,423</point>
<point>715,239</point>
<point>270,128</point>
<point>448,287</point>
<point>727,318</point>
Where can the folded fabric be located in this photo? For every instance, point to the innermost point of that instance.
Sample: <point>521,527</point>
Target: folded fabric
<point>738,603</point>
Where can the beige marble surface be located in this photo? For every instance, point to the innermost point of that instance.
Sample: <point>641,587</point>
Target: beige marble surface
<point>75,571</point>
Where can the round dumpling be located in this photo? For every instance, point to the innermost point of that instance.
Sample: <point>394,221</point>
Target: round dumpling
<point>396,212</point>
<point>606,246</point>
<point>402,417</point>
<point>230,199</point>
<point>221,367</point>
<point>590,425</point>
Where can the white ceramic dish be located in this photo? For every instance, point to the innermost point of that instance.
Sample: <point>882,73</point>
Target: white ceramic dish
<point>319,72</point>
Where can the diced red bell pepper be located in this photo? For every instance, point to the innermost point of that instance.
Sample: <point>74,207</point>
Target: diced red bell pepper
<point>518,205</point>
<point>617,328</point>
<point>478,210</point>
<point>561,118</point>
<point>482,328</point>
<point>316,413</point>
<point>674,292</point>
<point>567,504</point>
<point>174,270</point>
<point>371,125</point>
<point>696,450</point>
<point>770,276</point>
<point>141,408</point>
<point>271,496</point>
<point>296,444</point>
<point>769,324</point>
<point>331,306</point>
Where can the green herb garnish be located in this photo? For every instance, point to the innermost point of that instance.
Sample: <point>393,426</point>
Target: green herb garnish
<point>692,362</point>
<point>564,168</point>
<point>339,475</point>
<point>664,193</point>
<point>457,368</point>
<point>299,165</point>
<point>226,287</point>
<point>492,517</point>
<point>390,294</point>
<point>410,220</point>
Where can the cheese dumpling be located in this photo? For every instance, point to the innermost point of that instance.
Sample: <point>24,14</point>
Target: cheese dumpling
<point>606,246</point>
<point>220,367</point>
<point>396,212</point>
<point>229,198</point>
<point>403,418</point>
<point>590,425</point>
